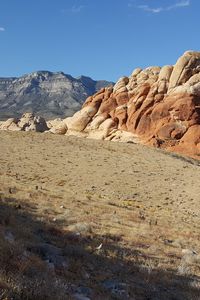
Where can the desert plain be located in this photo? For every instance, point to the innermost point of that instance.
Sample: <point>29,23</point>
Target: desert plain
<point>91,219</point>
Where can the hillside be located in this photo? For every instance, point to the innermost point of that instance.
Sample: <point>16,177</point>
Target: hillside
<point>48,94</point>
<point>86,219</point>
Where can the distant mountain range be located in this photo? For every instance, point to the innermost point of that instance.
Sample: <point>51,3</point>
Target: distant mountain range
<point>48,94</point>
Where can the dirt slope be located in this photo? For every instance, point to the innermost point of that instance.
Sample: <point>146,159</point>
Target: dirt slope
<point>139,205</point>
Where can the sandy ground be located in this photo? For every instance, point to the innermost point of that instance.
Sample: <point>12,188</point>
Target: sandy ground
<point>145,198</point>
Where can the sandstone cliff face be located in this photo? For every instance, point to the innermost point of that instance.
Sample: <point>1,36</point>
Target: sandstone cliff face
<point>158,106</point>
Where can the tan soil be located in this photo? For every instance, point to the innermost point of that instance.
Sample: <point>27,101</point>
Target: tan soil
<point>146,199</point>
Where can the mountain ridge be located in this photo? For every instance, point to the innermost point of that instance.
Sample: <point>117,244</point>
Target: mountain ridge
<point>50,94</point>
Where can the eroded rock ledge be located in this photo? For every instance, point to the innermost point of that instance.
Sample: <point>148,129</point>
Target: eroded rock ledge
<point>155,106</point>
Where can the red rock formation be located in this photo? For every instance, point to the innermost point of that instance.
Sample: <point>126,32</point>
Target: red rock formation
<point>161,106</point>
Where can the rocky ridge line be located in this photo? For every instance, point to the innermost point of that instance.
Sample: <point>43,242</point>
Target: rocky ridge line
<point>45,93</point>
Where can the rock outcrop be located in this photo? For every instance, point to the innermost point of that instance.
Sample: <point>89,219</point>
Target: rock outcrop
<point>28,122</point>
<point>44,93</point>
<point>156,106</point>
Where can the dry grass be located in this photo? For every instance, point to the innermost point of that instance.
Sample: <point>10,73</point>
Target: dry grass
<point>76,214</point>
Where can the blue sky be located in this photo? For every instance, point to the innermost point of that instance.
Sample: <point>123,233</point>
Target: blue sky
<point>103,39</point>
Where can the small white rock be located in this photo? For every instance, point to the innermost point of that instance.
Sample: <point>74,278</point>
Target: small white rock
<point>80,297</point>
<point>9,237</point>
<point>99,247</point>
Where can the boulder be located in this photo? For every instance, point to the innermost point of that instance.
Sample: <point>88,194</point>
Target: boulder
<point>60,128</point>
<point>96,122</point>
<point>120,86</point>
<point>165,73</point>
<point>187,65</point>
<point>28,122</point>
<point>10,124</point>
<point>54,123</point>
<point>104,130</point>
<point>80,119</point>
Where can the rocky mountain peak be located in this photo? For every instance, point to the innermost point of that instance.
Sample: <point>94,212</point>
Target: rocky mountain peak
<point>50,94</point>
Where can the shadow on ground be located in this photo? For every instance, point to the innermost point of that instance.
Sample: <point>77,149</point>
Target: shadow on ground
<point>40,261</point>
